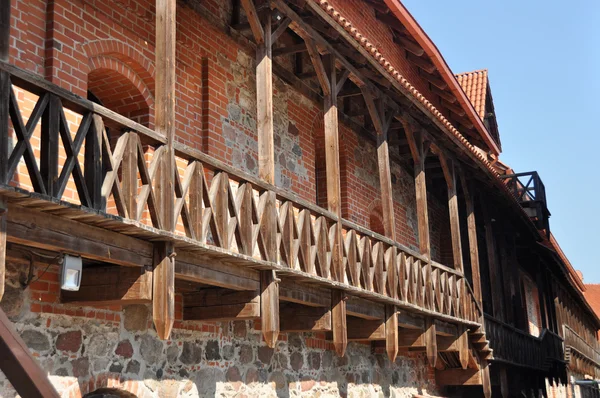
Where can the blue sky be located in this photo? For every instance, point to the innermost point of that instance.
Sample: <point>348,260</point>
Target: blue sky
<point>543,59</point>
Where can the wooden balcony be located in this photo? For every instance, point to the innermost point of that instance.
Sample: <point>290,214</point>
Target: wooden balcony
<point>581,355</point>
<point>516,347</point>
<point>220,215</point>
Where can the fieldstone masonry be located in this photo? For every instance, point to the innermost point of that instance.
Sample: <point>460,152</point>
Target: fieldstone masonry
<point>118,348</point>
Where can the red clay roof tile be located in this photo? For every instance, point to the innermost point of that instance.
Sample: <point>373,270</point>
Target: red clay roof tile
<point>474,84</point>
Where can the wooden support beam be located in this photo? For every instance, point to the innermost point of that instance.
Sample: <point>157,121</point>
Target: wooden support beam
<point>444,328</point>
<point>254,21</point>
<point>288,50</point>
<point>495,279</point>
<point>391,332</point>
<point>409,45</point>
<point>448,167</point>
<point>421,63</point>
<point>269,307</point>
<point>304,294</point>
<point>365,330</point>
<point>264,101</point>
<point>458,377</point>
<point>301,318</point>
<point>5,94</point>
<point>472,232</point>
<point>163,298</point>
<point>504,386</point>
<point>320,71</point>
<point>454,108</point>
<point>5,32</point>
<point>434,80</point>
<point>464,353</point>
<point>411,338</point>
<point>390,20</point>
<point>409,321</point>
<point>3,224</point>
<point>486,380</point>
<point>416,140</point>
<point>431,342</point>
<point>18,365</point>
<point>163,289</point>
<point>196,268</point>
<point>58,234</point>
<point>111,285</point>
<point>444,94</point>
<point>365,309</point>
<point>221,305</point>
<point>339,325</point>
<point>381,121</point>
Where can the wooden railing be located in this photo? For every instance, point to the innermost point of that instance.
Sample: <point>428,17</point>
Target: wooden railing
<point>575,342</point>
<point>215,205</point>
<point>517,347</point>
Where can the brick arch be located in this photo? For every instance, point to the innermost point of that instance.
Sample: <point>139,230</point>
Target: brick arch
<point>106,381</point>
<point>121,89</point>
<point>376,217</point>
<point>127,54</point>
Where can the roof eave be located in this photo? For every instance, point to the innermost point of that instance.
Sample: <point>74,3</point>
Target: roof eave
<point>438,60</point>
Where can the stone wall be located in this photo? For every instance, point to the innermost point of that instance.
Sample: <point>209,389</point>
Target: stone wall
<point>83,349</point>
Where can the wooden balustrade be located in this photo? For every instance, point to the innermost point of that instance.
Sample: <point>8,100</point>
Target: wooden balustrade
<point>215,204</point>
<point>516,347</point>
<point>581,355</point>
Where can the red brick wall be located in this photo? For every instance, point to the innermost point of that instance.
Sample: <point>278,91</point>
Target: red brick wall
<point>107,47</point>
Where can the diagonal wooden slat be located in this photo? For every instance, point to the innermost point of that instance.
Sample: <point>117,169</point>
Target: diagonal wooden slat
<point>146,195</point>
<point>24,133</point>
<point>111,180</point>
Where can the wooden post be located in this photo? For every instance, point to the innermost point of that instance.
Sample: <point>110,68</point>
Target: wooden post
<point>129,175</point>
<point>472,232</point>
<point>449,170</point>
<point>492,263</point>
<point>163,309</point>
<point>431,342</point>
<point>3,210</point>
<point>4,89</point>
<point>338,321</point>
<point>485,378</point>
<point>416,143</point>
<point>49,144</point>
<point>4,31</point>
<point>269,297</point>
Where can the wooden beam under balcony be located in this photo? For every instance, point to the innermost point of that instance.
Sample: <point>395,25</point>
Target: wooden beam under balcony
<point>221,305</point>
<point>110,285</point>
<point>365,330</point>
<point>302,318</point>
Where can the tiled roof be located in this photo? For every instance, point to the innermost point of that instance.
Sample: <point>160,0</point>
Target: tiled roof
<point>592,295</point>
<point>474,84</point>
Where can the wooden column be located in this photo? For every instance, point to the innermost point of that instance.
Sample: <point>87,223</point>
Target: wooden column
<point>431,342</point>
<point>269,296</point>
<point>472,232</point>
<point>448,167</point>
<point>415,138</point>
<point>163,288</point>
<point>4,88</point>
<point>490,241</point>
<point>382,121</point>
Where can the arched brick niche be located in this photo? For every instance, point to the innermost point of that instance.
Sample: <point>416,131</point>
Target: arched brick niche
<point>376,217</point>
<point>119,88</point>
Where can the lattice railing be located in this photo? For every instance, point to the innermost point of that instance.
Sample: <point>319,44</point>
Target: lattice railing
<point>521,348</point>
<point>94,157</point>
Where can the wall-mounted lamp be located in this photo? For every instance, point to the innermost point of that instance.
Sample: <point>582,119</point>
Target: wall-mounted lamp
<point>71,269</point>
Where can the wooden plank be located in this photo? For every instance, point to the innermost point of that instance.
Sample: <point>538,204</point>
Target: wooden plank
<point>257,28</point>
<point>45,231</point>
<point>458,377</point>
<point>365,330</point>
<point>19,366</point>
<point>472,233</point>
<point>163,300</point>
<point>49,144</point>
<point>93,163</point>
<point>129,173</point>
<point>495,280</point>
<point>194,267</point>
<point>3,223</point>
<point>111,285</point>
<point>339,325</point>
<point>221,305</point>
<point>269,307</point>
<point>301,318</point>
<point>431,342</point>
<point>391,332</point>
<point>448,167</point>
<point>365,309</point>
<point>409,321</point>
<point>304,294</point>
